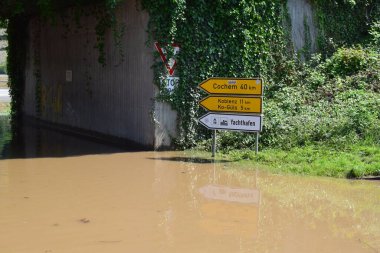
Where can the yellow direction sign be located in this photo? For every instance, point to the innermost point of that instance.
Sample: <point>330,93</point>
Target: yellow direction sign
<point>233,104</point>
<point>237,86</point>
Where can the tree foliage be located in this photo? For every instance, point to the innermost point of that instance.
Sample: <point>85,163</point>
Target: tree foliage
<point>252,38</point>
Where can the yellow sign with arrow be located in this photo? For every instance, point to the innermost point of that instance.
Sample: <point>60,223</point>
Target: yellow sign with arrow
<point>238,86</point>
<point>232,104</point>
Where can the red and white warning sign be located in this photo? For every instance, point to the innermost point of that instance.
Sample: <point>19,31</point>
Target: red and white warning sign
<point>170,63</point>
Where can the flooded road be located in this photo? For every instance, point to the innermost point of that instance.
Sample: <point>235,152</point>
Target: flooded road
<point>60,193</point>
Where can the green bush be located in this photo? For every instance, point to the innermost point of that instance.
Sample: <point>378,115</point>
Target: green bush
<point>3,69</point>
<point>349,61</point>
<point>375,33</point>
<point>335,102</point>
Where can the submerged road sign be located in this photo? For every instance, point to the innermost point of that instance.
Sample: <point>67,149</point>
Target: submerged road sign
<point>232,104</point>
<point>238,86</point>
<point>225,193</point>
<point>236,122</point>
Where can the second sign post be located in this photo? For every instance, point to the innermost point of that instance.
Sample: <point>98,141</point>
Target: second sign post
<point>235,103</point>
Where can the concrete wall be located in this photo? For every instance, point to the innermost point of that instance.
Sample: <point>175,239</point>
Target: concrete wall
<point>165,122</point>
<point>115,100</point>
<point>302,17</point>
<point>3,44</point>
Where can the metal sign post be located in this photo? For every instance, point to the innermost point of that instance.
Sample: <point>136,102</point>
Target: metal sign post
<point>213,143</point>
<point>257,142</point>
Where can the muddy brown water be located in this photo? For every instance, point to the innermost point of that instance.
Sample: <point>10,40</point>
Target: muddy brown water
<point>60,193</point>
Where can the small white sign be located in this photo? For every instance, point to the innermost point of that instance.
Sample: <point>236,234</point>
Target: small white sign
<point>237,122</point>
<point>240,195</point>
<point>69,76</point>
<point>171,82</point>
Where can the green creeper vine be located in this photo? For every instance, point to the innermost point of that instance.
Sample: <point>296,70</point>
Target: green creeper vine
<point>306,50</point>
<point>17,33</point>
<point>343,22</point>
<point>217,38</point>
<point>242,39</point>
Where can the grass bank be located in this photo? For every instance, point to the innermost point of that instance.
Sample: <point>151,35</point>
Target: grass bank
<point>355,161</point>
<point>3,81</point>
<point>5,108</point>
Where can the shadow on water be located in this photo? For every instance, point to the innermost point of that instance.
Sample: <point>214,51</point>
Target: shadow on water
<point>198,160</point>
<point>377,178</point>
<point>32,141</point>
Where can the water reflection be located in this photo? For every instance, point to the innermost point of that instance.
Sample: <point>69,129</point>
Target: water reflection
<point>32,141</point>
<point>193,159</point>
<point>202,205</point>
<point>328,214</point>
<point>228,194</point>
<point>248,211</point>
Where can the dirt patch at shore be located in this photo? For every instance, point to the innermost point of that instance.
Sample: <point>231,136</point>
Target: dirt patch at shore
<point>4,108</point>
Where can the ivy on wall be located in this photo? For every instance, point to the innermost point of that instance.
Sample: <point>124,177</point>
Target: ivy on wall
<point>217,38</point>
<point>17,33</point>
<point>344,22</point>
<point>241,39</point>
